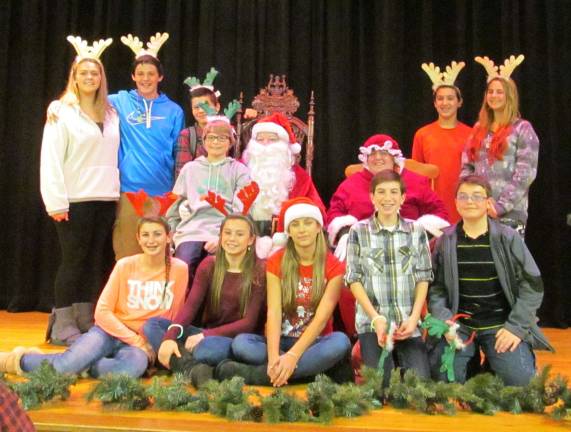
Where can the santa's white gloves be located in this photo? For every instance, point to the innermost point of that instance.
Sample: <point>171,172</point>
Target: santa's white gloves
<point>431,223</point>
<point>341,249</point>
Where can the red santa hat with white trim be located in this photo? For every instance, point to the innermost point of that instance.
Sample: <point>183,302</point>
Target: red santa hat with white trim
<point>295,208</point>
<point>384,143</point>
<point>280,125</point>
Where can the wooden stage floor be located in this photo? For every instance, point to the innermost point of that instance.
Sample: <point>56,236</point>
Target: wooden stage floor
<point>77,415</point>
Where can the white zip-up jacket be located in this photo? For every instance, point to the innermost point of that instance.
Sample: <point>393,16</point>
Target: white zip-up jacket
<point>78,162</point>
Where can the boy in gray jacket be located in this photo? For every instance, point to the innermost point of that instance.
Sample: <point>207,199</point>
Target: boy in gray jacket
<point>484,269</point>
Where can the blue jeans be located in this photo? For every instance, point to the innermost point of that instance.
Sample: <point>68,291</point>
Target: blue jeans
<point>409,354</point>
<point>210,350</point>
<point>323,354</point>
<point>191,252</point>
<point>95,351</point>
<point>514,368</point>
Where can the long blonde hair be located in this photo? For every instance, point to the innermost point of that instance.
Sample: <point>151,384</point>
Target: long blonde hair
<point>71,94</point>
<point>247,267</point>
<point>290,274</point>
<point>486,118</point>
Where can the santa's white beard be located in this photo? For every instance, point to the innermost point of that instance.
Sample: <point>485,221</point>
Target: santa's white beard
<point>270,167</point>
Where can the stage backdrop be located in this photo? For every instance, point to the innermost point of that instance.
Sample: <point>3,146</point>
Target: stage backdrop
<point>362,59</point>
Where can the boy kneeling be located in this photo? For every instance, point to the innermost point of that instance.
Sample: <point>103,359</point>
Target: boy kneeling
<point>484,269</point>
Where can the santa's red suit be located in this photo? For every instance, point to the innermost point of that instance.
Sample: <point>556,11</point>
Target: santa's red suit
<point>351,201</point>
<point>271,156</point>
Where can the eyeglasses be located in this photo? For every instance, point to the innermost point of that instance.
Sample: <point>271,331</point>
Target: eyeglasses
<point>219,138</point>
<point>474,198</point>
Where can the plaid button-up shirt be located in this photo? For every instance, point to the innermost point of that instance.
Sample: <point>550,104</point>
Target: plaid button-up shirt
<point>388,264</point>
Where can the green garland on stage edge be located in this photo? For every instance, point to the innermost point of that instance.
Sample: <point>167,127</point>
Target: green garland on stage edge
<point>324,401</point>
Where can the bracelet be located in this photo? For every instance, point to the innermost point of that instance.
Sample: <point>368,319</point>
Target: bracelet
<point>375,319</point>
<point>294,355</point>
<point>180,329</point>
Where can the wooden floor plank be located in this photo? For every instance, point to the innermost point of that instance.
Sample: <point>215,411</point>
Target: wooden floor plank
<point>77,415</point>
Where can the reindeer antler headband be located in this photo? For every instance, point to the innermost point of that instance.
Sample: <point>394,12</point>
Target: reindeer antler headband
<point>229,111</point>
<point>247,195</point>
<point>153,46</point>
<point>85,51</point>
<point>144,205</point>
<point>503,71</point>
<point>446,78</point>
<point>208,83</point>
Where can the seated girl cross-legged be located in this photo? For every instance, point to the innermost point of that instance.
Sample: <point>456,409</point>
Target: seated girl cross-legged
<point>227,297</point>
<point>303,285</point>
<point>141,286</point>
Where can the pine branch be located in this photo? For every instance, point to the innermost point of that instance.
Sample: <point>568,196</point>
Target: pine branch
<point>121,391</point>
<point>43,384</point>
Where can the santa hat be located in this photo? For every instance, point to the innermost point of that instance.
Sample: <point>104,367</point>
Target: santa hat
<point>384,143</point>
<point>280,125</point>
<point>295,208</point>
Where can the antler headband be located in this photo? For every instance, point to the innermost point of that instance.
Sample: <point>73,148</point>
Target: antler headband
<point>85,51</point>
<point>229,111</point>
<point>153,46</point>
<point>144,205</point>
<point>503,71</point>
<point>208,83</point>
<point>446,78</point>
<point>247,195</point>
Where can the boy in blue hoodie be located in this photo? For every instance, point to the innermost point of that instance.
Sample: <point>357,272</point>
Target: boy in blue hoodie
<point>149,125</point>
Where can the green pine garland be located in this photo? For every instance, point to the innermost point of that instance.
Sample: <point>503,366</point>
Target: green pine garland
<point>326,400</point>
<point>43,385</point>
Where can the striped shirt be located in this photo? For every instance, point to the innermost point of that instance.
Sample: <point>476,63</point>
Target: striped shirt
<point>481,294</point>
<point>389,264</point>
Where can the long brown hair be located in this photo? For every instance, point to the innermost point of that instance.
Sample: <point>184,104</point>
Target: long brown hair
<point>290,274</point>
<point>71,94</point>
<point>486,118</point>
<point>221,265</point>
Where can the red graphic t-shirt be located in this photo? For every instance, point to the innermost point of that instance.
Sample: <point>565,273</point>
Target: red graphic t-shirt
<point>295,324</point>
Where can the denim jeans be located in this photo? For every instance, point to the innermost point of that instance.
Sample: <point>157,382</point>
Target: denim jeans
<point>410,353</point>
<point>191,252</point>
<point>323,354</point>
<point>210,350</point>
<point>95,351</point>
<point>514,368</point>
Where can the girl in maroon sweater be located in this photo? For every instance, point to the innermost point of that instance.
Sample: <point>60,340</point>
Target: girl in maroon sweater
<point>227,297</point>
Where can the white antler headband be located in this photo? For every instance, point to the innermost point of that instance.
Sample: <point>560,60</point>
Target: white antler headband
<point>85,51</point>
<point>503,71</point>
<point>153,46</point>
<point>446,78</point>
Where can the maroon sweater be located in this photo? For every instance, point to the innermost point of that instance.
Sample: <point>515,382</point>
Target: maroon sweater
<point>227,322</point>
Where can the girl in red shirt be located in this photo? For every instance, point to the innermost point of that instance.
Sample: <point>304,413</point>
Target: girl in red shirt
<point>303,285</point>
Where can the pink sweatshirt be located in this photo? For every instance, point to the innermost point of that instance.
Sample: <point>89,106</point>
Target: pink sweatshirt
<point>132,296</point>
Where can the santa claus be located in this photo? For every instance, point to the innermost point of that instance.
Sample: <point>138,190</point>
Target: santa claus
<point>351,201</point>
<point>272,156</point>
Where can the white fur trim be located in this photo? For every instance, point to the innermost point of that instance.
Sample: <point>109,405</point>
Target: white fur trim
<point>271,127</point>
<point>279,239</point>
<point>432,223</point>
<point>295,148</point>
<point>337,224</point>
<point>297,211</point>
<point>263,246</point>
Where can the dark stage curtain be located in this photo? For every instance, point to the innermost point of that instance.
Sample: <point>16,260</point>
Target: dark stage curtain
<point>362,59</point>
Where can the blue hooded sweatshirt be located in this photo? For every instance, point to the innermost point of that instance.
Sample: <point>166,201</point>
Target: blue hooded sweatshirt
<point>149,131</point>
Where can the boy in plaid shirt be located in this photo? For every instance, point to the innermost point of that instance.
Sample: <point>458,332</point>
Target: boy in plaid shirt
<point>388,271</point>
